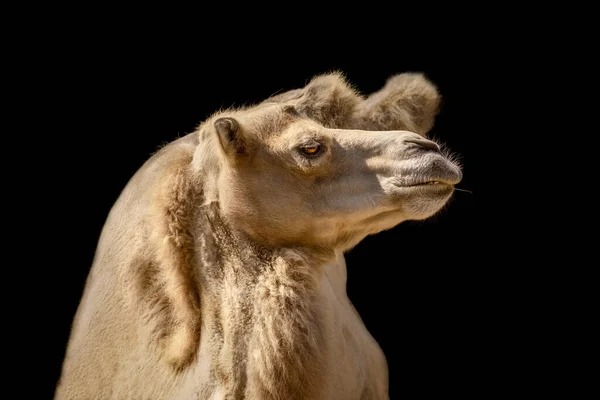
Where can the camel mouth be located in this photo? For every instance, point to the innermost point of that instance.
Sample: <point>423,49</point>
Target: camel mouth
<point>429,186</point>
<point>447,181</point>
<point>430,182</point>
<point>440,172</point>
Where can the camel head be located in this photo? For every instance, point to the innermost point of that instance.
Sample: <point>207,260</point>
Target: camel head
<point>311,166</point>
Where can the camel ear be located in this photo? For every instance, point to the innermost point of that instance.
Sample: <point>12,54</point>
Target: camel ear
<point>230,136</point>
<point>408,101</point>
<point>329,100</point>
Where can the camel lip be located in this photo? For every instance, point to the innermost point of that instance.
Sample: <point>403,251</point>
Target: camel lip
<point>439,171</point>
<point>429,182</point>
<point>432,182</point>
<point>425,182</point>
<point>427,187</point>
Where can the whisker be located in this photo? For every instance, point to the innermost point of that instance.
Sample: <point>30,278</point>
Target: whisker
<point>463,190</point>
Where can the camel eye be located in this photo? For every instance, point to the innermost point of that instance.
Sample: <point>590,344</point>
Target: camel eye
<point>311,149</point>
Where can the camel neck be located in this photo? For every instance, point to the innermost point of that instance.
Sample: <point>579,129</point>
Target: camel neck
<point>261,306</point>
<point>214,232</point>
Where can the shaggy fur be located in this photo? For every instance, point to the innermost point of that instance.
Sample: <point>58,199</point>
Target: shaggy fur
<point>220,274</point>
<point>408,101</point>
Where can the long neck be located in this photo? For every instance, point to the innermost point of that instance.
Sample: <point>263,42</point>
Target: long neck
<point>260,305</point>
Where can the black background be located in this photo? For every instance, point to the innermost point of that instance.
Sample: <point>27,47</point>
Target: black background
<point>423,288</point>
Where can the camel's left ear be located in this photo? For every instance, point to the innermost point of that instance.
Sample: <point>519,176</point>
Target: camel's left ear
<point>327,99</point>
<point>230,136</point>
<point>408,101</point>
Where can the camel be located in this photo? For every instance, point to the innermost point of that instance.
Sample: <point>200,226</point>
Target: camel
<point>220,272</point>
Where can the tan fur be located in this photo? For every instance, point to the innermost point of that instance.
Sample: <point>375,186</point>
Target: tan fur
<point>408,101</point>
<point>220,273</point>
<point>174,242</point>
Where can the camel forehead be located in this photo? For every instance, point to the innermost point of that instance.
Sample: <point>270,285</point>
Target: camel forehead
<point>268,121</point>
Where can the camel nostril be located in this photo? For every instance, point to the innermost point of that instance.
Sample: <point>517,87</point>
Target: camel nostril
<point>425,144</point>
